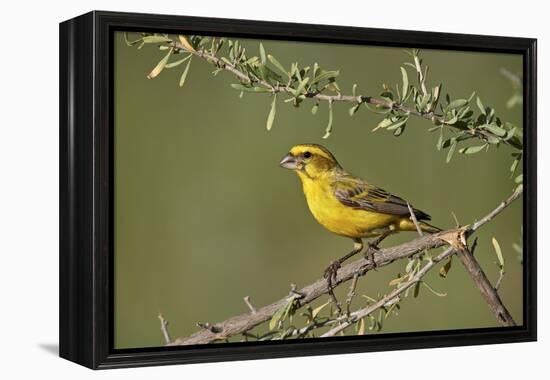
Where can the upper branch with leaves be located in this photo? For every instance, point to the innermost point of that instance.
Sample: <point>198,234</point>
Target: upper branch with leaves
<point>463,121</point>
<point>464,125</point>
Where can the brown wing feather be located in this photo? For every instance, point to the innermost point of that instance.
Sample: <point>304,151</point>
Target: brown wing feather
<point>358,194</point>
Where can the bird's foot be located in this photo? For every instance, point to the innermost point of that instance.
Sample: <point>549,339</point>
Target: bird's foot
<point>331,272</point>
<point>369,254</point>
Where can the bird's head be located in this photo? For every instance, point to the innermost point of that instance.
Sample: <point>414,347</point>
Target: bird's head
<point>310,161</point>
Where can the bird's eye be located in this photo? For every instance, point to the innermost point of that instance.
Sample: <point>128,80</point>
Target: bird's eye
<point>307,154</point>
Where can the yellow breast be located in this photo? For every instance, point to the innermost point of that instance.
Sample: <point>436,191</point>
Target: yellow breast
<point>340,219</point>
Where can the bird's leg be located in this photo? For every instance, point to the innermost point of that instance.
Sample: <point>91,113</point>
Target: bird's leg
<point>372,246</point>
<point>332,269</point>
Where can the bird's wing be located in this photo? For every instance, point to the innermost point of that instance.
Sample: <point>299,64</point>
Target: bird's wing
<point>358,194</point>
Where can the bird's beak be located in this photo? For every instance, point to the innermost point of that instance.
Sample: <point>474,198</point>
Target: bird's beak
<point>289,162</point>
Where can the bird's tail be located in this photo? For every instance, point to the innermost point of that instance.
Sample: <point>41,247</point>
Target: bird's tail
<point>426,227</point>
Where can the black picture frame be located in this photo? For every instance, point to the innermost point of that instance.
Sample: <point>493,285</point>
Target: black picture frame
<point>86,193</point>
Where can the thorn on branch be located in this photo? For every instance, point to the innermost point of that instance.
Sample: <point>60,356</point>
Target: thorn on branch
<point>249,304</point>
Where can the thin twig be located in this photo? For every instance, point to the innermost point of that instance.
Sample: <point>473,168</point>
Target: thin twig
<point>361,313</point>
<point>164,328</point>
<point>413,217</point>
<point>241,323</point>
<point>500,278</point>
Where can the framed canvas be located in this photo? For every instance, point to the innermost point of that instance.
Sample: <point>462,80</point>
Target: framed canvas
<point>235,189</point>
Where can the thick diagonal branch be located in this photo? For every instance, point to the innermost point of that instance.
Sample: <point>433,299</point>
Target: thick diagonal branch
<point>245,322</point>
<point>488,292</point>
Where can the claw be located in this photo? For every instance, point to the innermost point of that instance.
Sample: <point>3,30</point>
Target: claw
<point>369,254</point>
<point>331,273</point>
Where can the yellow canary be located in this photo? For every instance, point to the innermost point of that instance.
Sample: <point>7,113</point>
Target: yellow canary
<point>349,206</point>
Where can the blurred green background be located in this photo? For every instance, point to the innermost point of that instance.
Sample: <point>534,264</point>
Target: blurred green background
<point>204,215</point>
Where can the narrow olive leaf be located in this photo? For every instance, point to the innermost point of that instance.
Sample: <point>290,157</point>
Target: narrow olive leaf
<point>353,89</point>
<point>514,166</point>
<point>495,129</point>
<point>510,133</point>
<point>271,116</point>
<point>439,144</point>
<point>241,87</point>
<point>451,151</point>
<point>318,309</point>
<point>186,44</point>
<point>301,86</point>
<point>184,74</point>
<point>315,108</point>
<point>397,124</point>
<point>262,54</point>
<point>405,78</point>
<point>155,39</point>
<point>131,43</point>
<point>325,75</point>
<point>383,124</point>
<point>439,294</point>
<point>278,316</point>
<point>519,179</point>
<point>177,63</point>
<point>457,103</point>
<point>498,252</point>
<point>444,271</point>
<point>416,290</point>
<point>328,130</point>
<point>480,106</point>
<point>354,109</point>
<point>158,68</point>
<point>472,149</point>
<point>361,330</point>
<point>278,65</point>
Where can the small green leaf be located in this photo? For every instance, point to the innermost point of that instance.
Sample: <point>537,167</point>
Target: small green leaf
<point>432,290</point>
<point>498,252</point>
<point>131,43</point>
<point>315,108</point>
<point>272,111</point>
<point>480,106</point>
<point>405,79</point>
<point>262,54</point>
<point>457,103</point>
<point>398,123</point>
<point>511,132</point>
<point>241,87</point>
<point>416,291</point>
<point>160,66</point>
<point>328,130</point>
<point>318,309</point>
<point>177,63</point>
<point>444,271</point>
<point>301,86</point>
<point>155,39</point>
<point>519,179</point>
<point>354,109</point>
<point>278,316</point>
<point>325,75</point>
<point>184,74</point>
<point>472,149</point>
<point>451,150</point>
<point>383,124</point>
<point>278,65</point>
<point>495,129</point>
<point>439,144</point>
